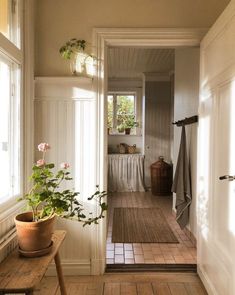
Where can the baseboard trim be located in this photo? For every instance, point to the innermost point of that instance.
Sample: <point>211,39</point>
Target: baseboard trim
<point>188,232</point>
<point>206,282</point>
<point>151,268</point>
<point>97,266</point>
<point>71,268</point>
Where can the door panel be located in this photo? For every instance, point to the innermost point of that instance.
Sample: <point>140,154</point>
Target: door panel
<point>216,198</point>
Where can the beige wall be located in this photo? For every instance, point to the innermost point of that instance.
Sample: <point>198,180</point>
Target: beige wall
<point>186,105</point>
<point>59,20</point>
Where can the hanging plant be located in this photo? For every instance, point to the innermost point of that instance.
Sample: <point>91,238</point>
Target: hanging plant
<point>77,51</point>
<point>72,47</point>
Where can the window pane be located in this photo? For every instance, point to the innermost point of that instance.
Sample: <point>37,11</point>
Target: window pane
<point>110,111</point>
<point>125,104</point>
<point>10,20</point>
<point>9,131</point>
<point>125,110</point>
<point>4,18</point>
<point>4,130</point>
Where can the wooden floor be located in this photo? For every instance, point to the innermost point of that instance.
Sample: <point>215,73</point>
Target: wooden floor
<point>183,252</point>
<point>127,284</point>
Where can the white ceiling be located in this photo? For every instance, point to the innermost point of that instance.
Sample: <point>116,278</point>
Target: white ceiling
<point>124,62</point>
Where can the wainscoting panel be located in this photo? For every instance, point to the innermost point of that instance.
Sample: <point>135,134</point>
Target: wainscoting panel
<point>8,240</point>
<point>65,118</point>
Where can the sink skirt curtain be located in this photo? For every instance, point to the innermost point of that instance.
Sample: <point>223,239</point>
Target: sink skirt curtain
<point>126,173</point>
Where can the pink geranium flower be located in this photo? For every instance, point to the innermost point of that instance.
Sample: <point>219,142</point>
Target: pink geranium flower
<point>41,163</point>
<point>64,165</point>
<point>43,147</point>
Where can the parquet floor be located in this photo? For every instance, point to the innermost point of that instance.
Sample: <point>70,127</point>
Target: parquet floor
<point>156,253</point>
<point>127,284</point>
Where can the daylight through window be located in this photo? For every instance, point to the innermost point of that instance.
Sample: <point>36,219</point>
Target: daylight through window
<point>11,60</point>
<point>121,111</point>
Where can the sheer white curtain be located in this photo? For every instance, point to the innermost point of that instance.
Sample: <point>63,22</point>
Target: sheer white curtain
<point>126,173</point>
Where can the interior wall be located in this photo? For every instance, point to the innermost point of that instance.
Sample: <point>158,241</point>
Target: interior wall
<point>185,105</point>
<point>157,124</point>
<point>58,21</point>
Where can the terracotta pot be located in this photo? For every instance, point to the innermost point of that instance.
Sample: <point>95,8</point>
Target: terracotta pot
<point>127,130</point>
<point>33,236</point>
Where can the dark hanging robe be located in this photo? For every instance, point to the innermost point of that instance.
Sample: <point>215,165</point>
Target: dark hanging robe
<point>181,184</point>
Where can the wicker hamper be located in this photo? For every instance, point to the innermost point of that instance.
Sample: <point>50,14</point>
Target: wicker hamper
<point>161,178</point>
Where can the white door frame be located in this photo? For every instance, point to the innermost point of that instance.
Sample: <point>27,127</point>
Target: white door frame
<point>132,37</point>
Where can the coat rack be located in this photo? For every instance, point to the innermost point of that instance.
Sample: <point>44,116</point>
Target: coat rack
<point>186,121</point>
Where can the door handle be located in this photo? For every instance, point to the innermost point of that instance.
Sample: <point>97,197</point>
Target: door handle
<point>228,177</point>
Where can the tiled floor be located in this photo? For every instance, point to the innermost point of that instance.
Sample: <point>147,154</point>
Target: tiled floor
<point>183,252</point>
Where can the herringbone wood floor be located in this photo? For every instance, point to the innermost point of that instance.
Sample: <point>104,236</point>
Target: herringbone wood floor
<point>127,284</point>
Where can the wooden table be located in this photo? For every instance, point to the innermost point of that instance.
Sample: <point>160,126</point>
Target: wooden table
<point>21,275</point>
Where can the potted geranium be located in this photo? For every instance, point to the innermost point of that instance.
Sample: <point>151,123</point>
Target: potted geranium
<point>46,200</point>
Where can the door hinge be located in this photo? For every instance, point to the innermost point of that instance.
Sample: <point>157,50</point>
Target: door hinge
<point>13,89</point>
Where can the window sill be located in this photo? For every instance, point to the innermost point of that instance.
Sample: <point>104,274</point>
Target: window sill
<point>9,207</point>
<point>122,134</point>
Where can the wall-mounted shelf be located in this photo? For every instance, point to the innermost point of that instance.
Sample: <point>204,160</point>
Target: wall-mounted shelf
<point>64,79</point>
<point>64,88</point>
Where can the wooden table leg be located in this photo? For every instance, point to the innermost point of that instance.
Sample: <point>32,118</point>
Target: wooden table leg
<point>60,274</point>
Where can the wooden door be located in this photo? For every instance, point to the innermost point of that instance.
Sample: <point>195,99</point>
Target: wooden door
<point>216,198</point>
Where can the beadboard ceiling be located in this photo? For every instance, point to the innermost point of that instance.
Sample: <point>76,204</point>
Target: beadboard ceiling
<point>125,62</point>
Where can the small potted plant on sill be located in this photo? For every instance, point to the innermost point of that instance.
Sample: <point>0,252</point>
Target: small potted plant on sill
<point>130,123</point>
<point>121,128</point>
<point>81,61</point>
<point>46,201</point>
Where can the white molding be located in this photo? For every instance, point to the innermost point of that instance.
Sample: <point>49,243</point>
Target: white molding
<point>64,80</point>
<point>9,49</point>
<point>64,88</point>
<point>97,266</point>
<point>220,25</point>
<point>151,37</point>
<point>206,282</point>
<point>139,37</point>
<point>28,95</point>
<point>71,268</point>
<point>9,211</point>
<point>63,98</point>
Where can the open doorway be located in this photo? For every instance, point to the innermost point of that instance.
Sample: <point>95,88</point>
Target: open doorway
<point>141,87</point>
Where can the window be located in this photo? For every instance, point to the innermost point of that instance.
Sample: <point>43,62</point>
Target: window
<point>10,20</point>
<point>11,58</point>
<point>121,111</point>
<point>9,131</point>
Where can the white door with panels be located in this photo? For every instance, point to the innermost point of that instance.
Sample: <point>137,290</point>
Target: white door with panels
<point>216,161</point>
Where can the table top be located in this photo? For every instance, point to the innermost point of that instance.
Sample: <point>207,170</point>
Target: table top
<point>21,273</point>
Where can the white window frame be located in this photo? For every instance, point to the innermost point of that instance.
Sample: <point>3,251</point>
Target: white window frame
<point>15,54</point>
<point>124,93</point>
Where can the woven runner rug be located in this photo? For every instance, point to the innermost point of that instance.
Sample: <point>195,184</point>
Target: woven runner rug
<point>141,225</point>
